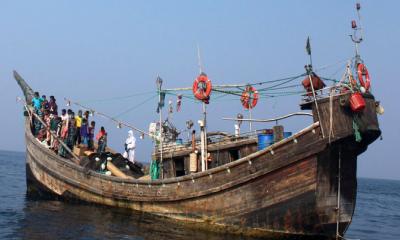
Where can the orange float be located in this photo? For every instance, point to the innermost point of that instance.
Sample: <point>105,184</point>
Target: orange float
<point>362,72</point>
<point>249,97</point>
<point>202,87</point>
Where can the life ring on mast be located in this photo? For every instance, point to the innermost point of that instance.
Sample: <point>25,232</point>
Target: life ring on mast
<point>202,87</point>
<point>362,72</point>
<point>249,97</point>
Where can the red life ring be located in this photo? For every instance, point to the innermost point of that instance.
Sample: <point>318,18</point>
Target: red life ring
<point>202,87</point>
<point>363,71</point>
<point>249,97</point>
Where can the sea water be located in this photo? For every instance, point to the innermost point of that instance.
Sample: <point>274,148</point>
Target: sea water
<point>377,215</point>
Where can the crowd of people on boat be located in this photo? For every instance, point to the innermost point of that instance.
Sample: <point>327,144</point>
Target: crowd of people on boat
<point>69,128</point>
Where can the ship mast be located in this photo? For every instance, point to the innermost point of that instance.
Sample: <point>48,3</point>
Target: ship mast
<point>203,123</point>
<point>159,85</point>
<point>357,36</point>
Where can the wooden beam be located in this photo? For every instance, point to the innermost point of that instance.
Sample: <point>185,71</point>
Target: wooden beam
<point>271,119</point>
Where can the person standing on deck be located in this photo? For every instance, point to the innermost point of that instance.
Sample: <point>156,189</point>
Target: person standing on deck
<point>53,129</point>
<point>101,140</point>
<point>64,134</point>
<point>85,132</point>
<point>86,116</point>
<point>47,121</point>
<point>91,135</point>
<point>37,104</point>
<point>71,132</point>
<point>130,145</point>
<point>37,101</point>
<point>78,124</point>
<point>53,108</point>
<point>45,103</point>
<point>64,115</point>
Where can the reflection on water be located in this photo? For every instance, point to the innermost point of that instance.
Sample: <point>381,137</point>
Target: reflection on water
<point>46,219</point>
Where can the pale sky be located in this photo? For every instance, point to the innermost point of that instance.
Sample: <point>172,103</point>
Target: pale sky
<point>97,51</point>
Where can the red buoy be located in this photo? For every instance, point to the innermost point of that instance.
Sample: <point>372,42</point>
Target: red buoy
<point>202,87</point>
<point>249,97</point>
<point>362,72</point>
<point>357,102</point>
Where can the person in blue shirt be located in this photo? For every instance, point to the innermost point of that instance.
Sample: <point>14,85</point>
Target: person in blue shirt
<point>37,101</point>
<point>37,104</point>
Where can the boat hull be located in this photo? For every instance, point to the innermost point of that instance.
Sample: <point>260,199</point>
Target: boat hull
<point>303,186</point>
<point>286,193</point>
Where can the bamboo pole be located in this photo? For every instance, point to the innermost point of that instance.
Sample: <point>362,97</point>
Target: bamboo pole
<point>271,119</point>
<point>116,172</point>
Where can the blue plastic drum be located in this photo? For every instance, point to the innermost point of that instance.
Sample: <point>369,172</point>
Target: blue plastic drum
<point>264,140</point>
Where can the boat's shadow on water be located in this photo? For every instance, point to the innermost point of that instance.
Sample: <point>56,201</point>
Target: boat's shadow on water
<point>55,219</point>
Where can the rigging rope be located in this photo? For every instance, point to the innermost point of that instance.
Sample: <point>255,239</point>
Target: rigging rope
<point>221,88</point>
<point>107,116</point>
<point>135,106</point>
<point>117,98</point>
<point>222,91</point>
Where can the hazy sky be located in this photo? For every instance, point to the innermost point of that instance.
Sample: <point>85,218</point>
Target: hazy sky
<point>93,51</point>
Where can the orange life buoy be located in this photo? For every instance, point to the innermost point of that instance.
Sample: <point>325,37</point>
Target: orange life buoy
<point>202,87</point>
<point>249,97</point>
<point>362,72</point>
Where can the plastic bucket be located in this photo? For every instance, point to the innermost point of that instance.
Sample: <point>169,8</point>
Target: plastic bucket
<point>357,102</point>
<point>264,140</point>
<point>287,134</point>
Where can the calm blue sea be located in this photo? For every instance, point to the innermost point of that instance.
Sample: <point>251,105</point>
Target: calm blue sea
<point>377,215</point>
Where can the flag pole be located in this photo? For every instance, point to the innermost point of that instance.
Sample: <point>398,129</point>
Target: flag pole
<point>309,72</point>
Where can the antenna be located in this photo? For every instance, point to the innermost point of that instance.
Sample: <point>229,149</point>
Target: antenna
<point>357,36</point>
<point>199,59</point>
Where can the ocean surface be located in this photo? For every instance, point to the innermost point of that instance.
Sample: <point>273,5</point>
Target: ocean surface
<point>377,215</point>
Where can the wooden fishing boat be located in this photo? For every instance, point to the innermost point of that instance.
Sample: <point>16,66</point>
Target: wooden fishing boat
<point>303,185</point>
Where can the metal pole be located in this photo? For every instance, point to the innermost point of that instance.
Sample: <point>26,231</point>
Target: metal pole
<point>202,140</point>
<point>159,83</point>
<point>205,153</point>
<point>250,122</point>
